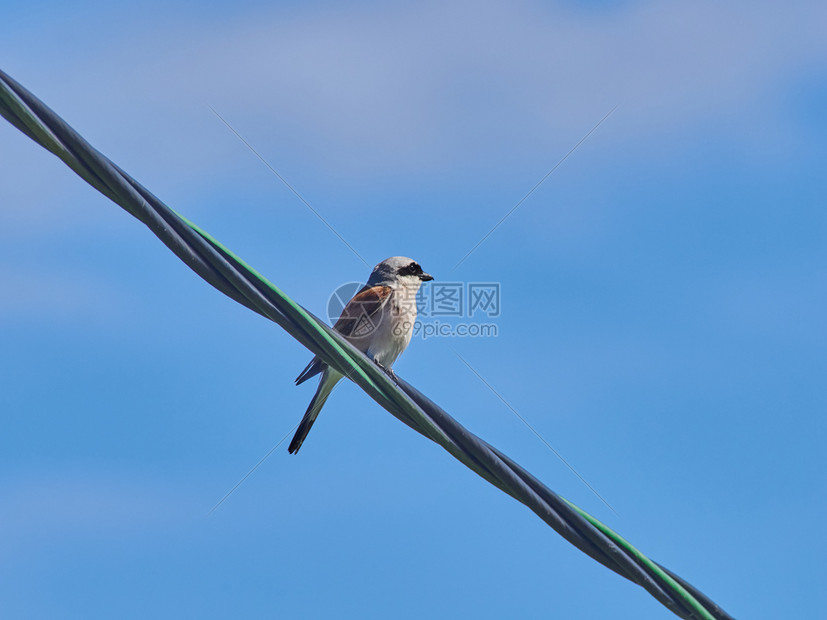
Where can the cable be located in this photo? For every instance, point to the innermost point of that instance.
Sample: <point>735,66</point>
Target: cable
<point>229,274</point>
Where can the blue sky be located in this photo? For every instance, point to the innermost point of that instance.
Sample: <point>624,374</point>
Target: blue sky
<point>662,320</point>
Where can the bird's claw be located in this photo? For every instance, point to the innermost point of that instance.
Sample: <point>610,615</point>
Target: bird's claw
<point>388,371</point>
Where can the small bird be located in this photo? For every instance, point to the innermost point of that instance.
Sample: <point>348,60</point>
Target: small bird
<point>378,321</point>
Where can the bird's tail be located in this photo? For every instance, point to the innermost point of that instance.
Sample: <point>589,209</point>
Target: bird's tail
<point>328,381</point>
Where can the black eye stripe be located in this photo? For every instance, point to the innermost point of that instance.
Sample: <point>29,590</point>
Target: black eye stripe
<point>410,270</point>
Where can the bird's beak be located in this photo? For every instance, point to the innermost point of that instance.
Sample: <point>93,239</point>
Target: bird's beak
<point>426,277</point>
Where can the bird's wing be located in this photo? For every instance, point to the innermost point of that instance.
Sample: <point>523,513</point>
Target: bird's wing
<point>358,319</point>
<point>361,311</point>
<point>311,370</point>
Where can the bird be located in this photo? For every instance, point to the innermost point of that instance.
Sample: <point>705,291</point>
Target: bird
<point>378,321</point>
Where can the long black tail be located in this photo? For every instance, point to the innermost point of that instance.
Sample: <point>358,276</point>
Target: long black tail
<point>326,384</point>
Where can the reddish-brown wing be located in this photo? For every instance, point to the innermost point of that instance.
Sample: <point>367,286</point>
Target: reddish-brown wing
<point>359,316</point>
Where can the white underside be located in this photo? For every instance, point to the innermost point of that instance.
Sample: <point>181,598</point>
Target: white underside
<point>395,326</point>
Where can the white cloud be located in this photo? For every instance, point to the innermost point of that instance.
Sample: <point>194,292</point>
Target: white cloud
<point>407,90</point>
<point>416,87</point>
<point>400,79</point>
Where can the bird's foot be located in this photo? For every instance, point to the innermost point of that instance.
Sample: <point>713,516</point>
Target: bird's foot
<point>388,371</point>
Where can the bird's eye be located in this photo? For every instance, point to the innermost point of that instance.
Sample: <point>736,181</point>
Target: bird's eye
<point>415,269</point>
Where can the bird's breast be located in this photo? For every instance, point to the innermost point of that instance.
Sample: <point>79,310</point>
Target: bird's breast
<point>394,330</point>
